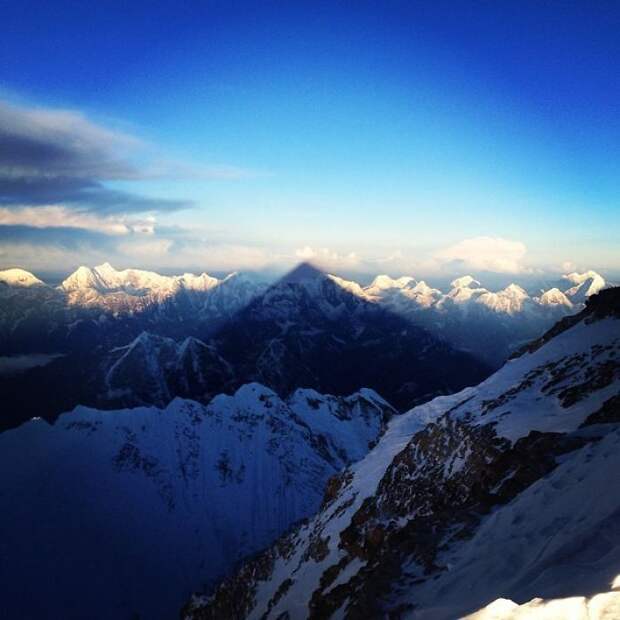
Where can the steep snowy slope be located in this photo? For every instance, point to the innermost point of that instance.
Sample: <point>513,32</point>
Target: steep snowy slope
<point>585,285</point>
<point>491,492</point>
<point>122,514</point>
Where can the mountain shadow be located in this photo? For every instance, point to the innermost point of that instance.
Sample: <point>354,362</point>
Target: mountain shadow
<point>311,329</point>
<point>308,329</point>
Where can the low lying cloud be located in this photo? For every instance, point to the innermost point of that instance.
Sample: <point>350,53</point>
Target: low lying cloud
<point>327,258</point>
<point>483,254</point>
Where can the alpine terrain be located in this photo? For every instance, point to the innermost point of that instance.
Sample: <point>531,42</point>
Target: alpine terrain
<point>504,491</point>
<point>130,510</point>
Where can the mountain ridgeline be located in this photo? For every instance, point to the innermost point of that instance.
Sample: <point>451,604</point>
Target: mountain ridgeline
<point>194,337</point>
<point>130,510</point>
<point>507,490</point>
<point>309,448</point>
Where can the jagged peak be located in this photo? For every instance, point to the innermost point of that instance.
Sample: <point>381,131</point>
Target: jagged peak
<point>578,278</point>
<point>587,283</point>
<point>251,392</point>
<point>554,297</point>
<point>105,268</point>
<point>82,277</point>
<point>423,287</point>
<point>201,282</point>
<point>384,281</point>
<point>150,339</point>
<point>191,344</point>
<point>514,290</point>
<point>464,282</point>
<point>304,272</point>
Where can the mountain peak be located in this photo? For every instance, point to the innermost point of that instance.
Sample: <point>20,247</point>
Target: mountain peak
<point>464,282</point>
<point>384,281</point>
<point>19,277</point>
<point>105,268</point>
<point>555,297</point>
<point>304,272</point>
<point>515,290</point>
<point>586,284</point>
<point>82,277</point>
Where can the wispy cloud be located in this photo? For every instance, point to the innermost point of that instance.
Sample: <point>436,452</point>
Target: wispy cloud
<point>60,157</point>
<point>60,200</point>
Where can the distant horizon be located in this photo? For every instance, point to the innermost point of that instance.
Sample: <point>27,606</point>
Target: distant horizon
<point>491,280</point>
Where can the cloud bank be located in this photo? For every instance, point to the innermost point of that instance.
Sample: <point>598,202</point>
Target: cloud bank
<point>483,254</point>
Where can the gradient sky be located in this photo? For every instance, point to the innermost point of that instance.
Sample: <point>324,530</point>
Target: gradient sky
<point>398,137</point>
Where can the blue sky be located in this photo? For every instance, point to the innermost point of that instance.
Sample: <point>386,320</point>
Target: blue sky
<point>404,137</point>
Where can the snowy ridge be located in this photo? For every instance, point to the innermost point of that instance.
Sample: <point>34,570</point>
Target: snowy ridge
<point>194,488</point>
<point>86,285</point>
<point>104,278</point>
<point>19,277</point>
<point>414,528</point>
<point>133,289</point>
<point>153,369</point>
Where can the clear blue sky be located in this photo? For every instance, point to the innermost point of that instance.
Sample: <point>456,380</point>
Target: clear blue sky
<point>374,136</point>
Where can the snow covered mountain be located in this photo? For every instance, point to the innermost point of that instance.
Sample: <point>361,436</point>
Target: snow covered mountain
<point>121,514</point>
<point>19,277</point>
<point>405,339</point>
<point>114,307</point>
<point>105,288</point>
<point>309,329</point>
<point>585,285</point>
<point>505,490</point>
<point>472,318</point>
<point>153,370</point>
<point>317,330</point>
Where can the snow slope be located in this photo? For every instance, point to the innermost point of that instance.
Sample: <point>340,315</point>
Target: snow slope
<point>153,370</point>
<point>508,489</point>
<point>121,513</point>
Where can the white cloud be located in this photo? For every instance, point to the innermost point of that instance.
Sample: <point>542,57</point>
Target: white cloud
<point>483,254</point>
<point>56,216</point>
<point>327,258</point>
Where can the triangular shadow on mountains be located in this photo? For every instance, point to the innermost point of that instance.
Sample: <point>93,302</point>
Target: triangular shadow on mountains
<point>305,330</point>
<point>310,330</point>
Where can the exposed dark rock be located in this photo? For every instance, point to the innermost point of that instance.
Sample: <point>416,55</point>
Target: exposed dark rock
<point>608,413</point>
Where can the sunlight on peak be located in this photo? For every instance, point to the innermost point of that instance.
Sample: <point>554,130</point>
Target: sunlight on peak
<point>601,606</point>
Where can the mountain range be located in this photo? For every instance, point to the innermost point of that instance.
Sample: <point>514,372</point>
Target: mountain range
<point>506,490</point>
<point>131,510</point>
<point>38,318</point>
<point>308,329</point>
<point>243,440</point>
